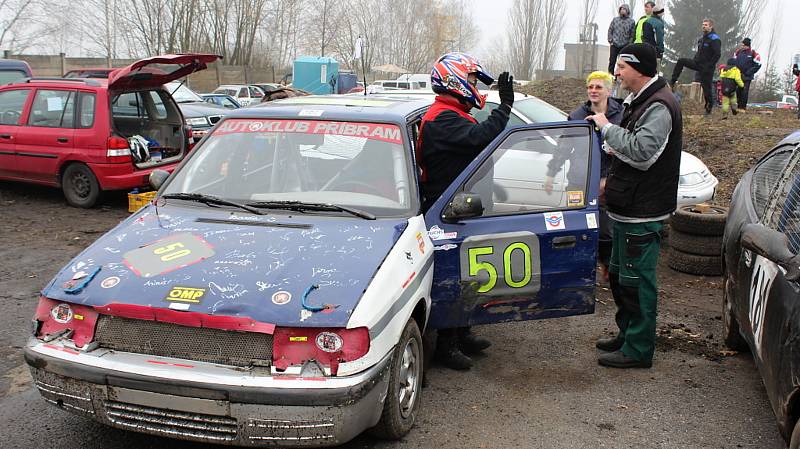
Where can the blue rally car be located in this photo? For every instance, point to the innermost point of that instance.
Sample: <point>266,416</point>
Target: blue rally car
<point>275,291</point>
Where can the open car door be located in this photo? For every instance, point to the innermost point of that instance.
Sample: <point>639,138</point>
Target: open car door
<point>505,248</point>
<point>158,70</point>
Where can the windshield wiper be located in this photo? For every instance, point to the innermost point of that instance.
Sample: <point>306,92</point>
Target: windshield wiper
<point>210,199</point>
<point>301,206</point>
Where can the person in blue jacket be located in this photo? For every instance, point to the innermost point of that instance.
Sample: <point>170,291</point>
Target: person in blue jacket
<point>709,50</point>
<point>749,62</point>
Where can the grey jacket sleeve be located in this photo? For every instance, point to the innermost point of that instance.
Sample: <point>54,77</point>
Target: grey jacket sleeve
<point>641,148</point>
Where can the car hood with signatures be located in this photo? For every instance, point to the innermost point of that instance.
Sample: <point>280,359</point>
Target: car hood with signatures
<point>221,262</point>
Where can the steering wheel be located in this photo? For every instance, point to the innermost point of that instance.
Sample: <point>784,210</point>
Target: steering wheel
<point>11,117</point>
<point>366,188</point>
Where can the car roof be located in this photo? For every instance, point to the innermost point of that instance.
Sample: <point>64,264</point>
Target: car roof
<point>791,139</point>
<point>335,107</point>
<point>14,64</point>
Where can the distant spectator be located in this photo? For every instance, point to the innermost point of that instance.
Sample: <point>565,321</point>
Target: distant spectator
<point>749,62</point>
<point>620,34</point>
<point>653,32</point>
<point>796,72</point>
<point>709,49</point>
<point>638,35</point>
<point>731,79</point>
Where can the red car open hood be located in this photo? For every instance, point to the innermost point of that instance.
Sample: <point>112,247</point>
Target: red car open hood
<point>158,70</point>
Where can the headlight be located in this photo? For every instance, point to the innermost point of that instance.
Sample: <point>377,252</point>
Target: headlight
<point>691,179</point>
<point>197,121</point>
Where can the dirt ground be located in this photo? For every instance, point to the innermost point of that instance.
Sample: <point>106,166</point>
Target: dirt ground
<point>538,387</point>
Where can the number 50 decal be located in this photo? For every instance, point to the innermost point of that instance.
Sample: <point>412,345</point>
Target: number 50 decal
<point>501,264</point>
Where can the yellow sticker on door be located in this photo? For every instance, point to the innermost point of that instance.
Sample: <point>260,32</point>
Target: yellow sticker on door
<point>575,198</point>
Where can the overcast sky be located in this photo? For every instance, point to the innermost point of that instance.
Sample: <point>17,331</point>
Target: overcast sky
<point>492,21</point>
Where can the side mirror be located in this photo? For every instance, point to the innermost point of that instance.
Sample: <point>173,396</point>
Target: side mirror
<point>772,245</point>
<point>464,205</point>
<point>157,178</point>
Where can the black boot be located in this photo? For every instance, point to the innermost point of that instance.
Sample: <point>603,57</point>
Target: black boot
<point>470,343</point>
<point>448,352</point>
<point>610,344</point>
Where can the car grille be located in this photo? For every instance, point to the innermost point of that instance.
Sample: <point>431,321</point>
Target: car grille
<point>171,422</point>
<point>191,343</point>
<point>213,119</point>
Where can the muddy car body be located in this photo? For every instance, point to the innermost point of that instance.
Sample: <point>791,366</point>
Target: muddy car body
<point>275,291</point>
<point>762,270</point>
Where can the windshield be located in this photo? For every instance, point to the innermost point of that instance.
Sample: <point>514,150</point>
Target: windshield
<point>538,111</point>
<point>358,165</point>
<point>183,94</point>
<point>11,76</point>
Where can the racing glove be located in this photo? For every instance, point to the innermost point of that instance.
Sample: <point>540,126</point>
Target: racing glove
<point>505,88</point>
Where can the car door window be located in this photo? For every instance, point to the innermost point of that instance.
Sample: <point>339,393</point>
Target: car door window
<point>483,114</point>
<point>52,109</point>
<point>86,106</point>
<point>243,92</point>
<point>255,93</point>
<point>766,176</point>
<point>512,180</point>
<point>128,105</point>
<point>11,104</point>
<point>158,102</point>
<point>784,216</point>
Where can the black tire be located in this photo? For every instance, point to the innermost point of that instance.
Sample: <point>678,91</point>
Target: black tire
<point>694,264</point>
<point>700,245</point>
<point>731,335</point>
<point>689,220</point>
<point>399,414</point>
<point>80,186</point>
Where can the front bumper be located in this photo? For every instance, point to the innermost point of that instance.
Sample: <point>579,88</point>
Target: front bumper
<point>205,402</point>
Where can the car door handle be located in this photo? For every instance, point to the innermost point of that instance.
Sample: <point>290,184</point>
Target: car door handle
<point>567,241</point>
<point>63,139</point>
<point>5,136</point>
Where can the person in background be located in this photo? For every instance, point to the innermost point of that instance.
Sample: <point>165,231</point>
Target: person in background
<point>653,32</point>
<point>796,72</point>
<point>749,62</point>
<point>620,34</point>
<point>731,79</point>
<point>638,34</point>
<point>641,192</point>
<point>598,90</point>
<point>709,49</point>
<point>449,139</point>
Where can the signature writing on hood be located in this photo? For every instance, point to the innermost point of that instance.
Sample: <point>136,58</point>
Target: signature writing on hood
<point>230,291</point>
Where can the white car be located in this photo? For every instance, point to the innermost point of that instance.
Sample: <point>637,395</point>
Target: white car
<point>245,94</point>
<point>696,185</point>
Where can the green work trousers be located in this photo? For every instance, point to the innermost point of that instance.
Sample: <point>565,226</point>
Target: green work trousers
<point>634,256</point>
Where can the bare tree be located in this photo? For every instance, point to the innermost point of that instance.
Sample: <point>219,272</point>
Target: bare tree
<point>552,24</point>
<point>772,47</point>
<point>16,34</point>
<point>525,20</point>
<point>750,16</point>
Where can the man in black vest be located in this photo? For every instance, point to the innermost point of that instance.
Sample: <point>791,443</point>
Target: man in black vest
<point>641,191</point>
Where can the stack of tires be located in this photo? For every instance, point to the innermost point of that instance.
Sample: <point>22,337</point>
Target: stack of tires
<point>695,239</point>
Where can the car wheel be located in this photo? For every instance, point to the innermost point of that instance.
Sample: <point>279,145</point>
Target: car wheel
<point>733,339</point>
<point>701,245</point>
<point>80,186</point>
<point>694,264</point>
<point>691,220</point>
<point>403,396</point>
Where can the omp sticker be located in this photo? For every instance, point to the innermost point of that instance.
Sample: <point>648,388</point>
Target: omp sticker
<point>374,131</point>
<point>310,113</point>
<point>501,264</point>
<point>554,221</point>
<point>437,233</point>
<point>591,221</point>
<point>168,254</point>
<point>185,294</point>
<point>575,198</point>
<point>764,272</point>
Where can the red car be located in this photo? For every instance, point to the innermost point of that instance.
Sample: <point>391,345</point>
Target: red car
<point>92,135</point>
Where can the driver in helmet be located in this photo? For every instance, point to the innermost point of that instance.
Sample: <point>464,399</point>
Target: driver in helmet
<point>449,139</point>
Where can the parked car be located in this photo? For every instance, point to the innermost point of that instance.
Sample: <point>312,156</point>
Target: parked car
<point>293,238</point>
<point>761,296</point>
<point>13,70</point>
<point>95,72</point>
<point>378,86</point>
<point>224,100</point>
<point>696,185</point>
<point>197,112</point>
<point>422,79</point>
<point>244,94</point>
<point>81,134</point>
<point>268,87</point>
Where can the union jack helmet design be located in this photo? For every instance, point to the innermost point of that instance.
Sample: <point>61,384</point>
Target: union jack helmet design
<point>450,75</point>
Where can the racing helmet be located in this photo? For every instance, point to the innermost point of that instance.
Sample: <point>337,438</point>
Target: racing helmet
<point>450,75</point>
